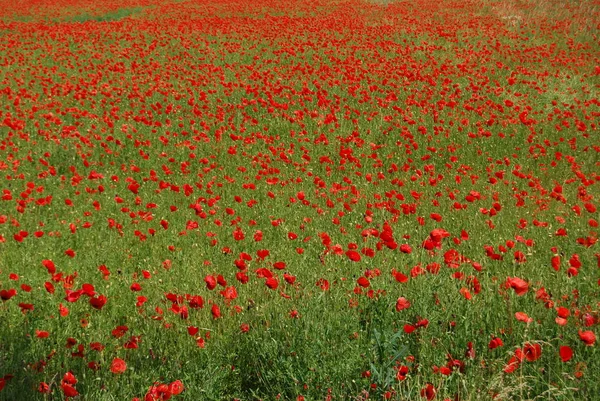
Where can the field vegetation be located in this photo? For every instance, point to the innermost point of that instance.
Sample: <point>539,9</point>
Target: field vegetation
<point>299,200</point>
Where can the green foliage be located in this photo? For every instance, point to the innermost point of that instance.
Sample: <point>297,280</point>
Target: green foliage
<point>116,15</point>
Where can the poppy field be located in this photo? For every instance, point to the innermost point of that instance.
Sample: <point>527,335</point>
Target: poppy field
<point>299,200</point>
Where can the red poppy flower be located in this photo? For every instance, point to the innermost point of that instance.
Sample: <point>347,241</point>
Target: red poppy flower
<point>495,342</point>
<point>49,265</point>
<point>519,285</point>
<point>436,216</point>
<point>512,365</point>
<point>69,390</point>
<point>215,311</point>
<point>73,296</point>
<point>402,303</point>
<point>119,331</point>
<point>466,293</point>
<point>229,293</point>
<point>118,366</point>
<point>98,302</point>
<point>399,277</point>
<point>141,300</point>
<point>96,346</point>
<point>562,312</point>
<point>242,277</point>
<point>41,334</point>
<point>69,378</point>
<point>62,310</point>
<point>523,317</point>
<point>176,387</point>
<point>272,283</point>
<point>428,392</point>
<point>323,284</point>
<point>5,295</point>
<point>289,278</point>
<point>353,256</point>
<point>43,388</point>
<point>211,282</point>
<point>262,253</point>
<point>566,353</point>
<point>588,337</point>
<point>532,352</point>
<point>363,282</point>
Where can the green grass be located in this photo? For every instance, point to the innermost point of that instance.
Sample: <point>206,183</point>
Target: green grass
<point>116,15</point>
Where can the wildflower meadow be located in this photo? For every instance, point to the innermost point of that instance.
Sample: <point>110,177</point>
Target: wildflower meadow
<point>299,200</point>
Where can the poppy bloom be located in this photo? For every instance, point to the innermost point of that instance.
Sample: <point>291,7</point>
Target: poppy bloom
<point>588,337</point>
<point>215,311</point>
<point>561,321</point>
<point>523,317</point>
<point>242,277</point>
<point>49,265</point>
<point>519,285</point>
<point>72,296</point>
<point>41,334</point>
<point>262,253</point>
<point>566,353</point>
<point>43,388</point>
<point>272,283</point>
<point>466,293</point>
<point>5,295</point>
<point>211,282</point>
<point>118,366</point>
<point>63,310</point>
<point>176,387</point>
<point>98,302</point>
<point>289,278</point>
<point>562,312</point>
<point>436,216</point>
<point>97,346</point>
<point>119,331</point>
<point>353,256</point>
<point>512,365</point>
<point>323,284</point>
<point>520,257</point>
<point>402,373</point>
<point>399,277</point>
<point>428,392</point>
<point>363,282</point>
<point>69,390</point>
<point>229,293</point>
<point>532,352</point>
<point>495,342</point>
<point>402,303</point>
<point>405,248</point>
